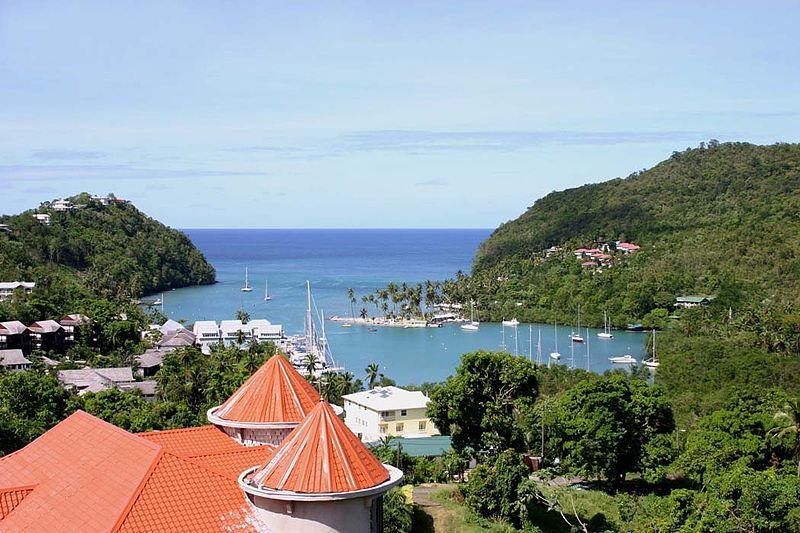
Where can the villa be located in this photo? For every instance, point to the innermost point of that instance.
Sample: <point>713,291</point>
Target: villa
<point>274,458</point>
<point>385,411</point>
<point>8,288</point>
<point>14,360</point>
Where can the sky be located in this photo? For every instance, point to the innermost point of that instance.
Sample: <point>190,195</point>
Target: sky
<point>375,114</point>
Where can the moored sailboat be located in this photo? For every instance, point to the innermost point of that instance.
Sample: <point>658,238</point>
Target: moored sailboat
<point>606,333</point>
<point>247,287</point>
<point>653,361</point>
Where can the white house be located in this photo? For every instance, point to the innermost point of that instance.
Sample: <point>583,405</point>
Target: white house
<point>8,288</point>
<point>385,411</point>
<point>62,205</point>
<point>264,330</point>
<point>206,332</point>
<point>42,218</point>
<point>229,329</point>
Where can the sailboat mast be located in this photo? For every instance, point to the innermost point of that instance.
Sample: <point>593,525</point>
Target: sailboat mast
<point>587,349</point>
<point>530,342</point>
<point>309,323</point>
<point>539,348</point>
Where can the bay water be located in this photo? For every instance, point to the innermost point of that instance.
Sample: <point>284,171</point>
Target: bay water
<point>334,260</point>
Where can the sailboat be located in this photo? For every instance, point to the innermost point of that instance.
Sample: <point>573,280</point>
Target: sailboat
<point>473,324</point>
<point>511,323</point>
<point>652,362</point>
<point>267,297</point>
<point>606,333</point>
<point>576,337</point>
<point>247,287</point>
<point>554,354</point>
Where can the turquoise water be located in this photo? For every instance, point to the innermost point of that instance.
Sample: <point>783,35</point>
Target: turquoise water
<point>333,261</point>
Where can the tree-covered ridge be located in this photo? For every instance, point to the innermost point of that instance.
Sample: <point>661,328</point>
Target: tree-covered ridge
<point>115,249</point>
<point>709,220</point>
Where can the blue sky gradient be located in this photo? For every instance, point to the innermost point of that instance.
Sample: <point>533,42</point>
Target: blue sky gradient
<point>375,114</point>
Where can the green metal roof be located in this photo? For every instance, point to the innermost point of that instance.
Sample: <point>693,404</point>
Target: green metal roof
<point>422,446</point>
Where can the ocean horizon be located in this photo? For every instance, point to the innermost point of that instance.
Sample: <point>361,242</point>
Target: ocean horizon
<point>333,260</point>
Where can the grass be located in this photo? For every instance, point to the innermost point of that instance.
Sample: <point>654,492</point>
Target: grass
<point>441,513</point>
<point>445,515</point>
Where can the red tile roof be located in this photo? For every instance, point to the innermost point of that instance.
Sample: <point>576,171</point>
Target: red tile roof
<point>232,464</point>
<point>87,475</point>
<point>11,497</point>
<point>193,442</point>
<point>275,393</point>
<point>321,455</point>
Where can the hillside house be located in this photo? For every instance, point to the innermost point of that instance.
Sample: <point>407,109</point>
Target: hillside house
<point>13,334</point>
<point>9,288</point>
<point>385,411</point>
<point>14,360</point>
<point>46,335</point>
<point>74,326</point>
<point>693,301</point>
<point>42,218</point>
<point>626,247</point>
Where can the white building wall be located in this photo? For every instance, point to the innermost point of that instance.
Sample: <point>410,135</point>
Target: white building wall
<point>342,516</point>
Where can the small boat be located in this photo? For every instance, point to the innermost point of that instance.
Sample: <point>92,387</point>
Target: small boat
<point>653,361</point>
<point>247,287</point>
<point>267,297</point>
<point>347,325</point>
<point>511,323</point>
<point>555,355</point>
<point>606,333</point>
<point>623,360</point>
<point>372,330</point>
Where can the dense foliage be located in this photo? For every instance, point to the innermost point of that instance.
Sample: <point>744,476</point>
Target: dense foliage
<point>713,220</point>
<point>478,406</point>
<point>114,251</point>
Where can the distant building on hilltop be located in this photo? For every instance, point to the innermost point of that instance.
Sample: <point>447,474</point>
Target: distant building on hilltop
<point>8,288</point>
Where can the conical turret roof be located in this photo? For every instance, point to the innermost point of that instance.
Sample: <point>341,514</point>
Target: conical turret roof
<point>321,456</point>
<point>275,393</point>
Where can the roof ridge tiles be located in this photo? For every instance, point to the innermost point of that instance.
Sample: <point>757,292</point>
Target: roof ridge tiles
<point>321,456</point>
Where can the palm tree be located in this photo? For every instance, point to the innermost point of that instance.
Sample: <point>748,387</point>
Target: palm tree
<point>363,313</point>
<point>243,315</point>
<point>789,420</point>
<point>373,372</point>
<point>311,364</point>
<point>351,295</point>
<point>240,338</point>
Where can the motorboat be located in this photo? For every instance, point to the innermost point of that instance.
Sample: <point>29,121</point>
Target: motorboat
<point>511,323</point>
<point>623,360</point>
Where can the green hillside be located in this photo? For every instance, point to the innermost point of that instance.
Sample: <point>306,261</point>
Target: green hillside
<point>720,220</point>
<point>112,251</point>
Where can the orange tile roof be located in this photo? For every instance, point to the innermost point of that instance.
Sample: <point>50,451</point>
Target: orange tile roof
<point>11,497</point>
<point>87,475</point>
<point>193,442</point>
<point>232,464</point>
<point>321,455</point>
<point>275,393</point>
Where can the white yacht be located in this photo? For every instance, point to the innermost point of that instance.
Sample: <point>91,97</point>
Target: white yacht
<point>623,360</point>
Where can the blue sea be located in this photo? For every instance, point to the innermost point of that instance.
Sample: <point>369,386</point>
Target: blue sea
<point>334,260</point>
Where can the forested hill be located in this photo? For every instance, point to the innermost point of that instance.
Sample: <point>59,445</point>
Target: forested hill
<point>112,247</point>
<point>720,213</point>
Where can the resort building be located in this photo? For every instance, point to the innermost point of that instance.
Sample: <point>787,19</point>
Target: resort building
<point>177,339</point>
<point>97,379</point>
<point>9,288</point>
<point>46,335</point>
<point>268,406</point>
<point>232,330</point>
<point>263,330</point>
<point>693,301</point>
<point>14,360</point>
<point>206,332</point>
<point>42,218</point>
<point>385,411</point>
<point>72,325</point>
<point>62,206</point>
<point>87,475</point>
<point>171,326</point>
<point>13,334</point>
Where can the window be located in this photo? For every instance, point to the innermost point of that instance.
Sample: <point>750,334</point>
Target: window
<point>398,428</point>
<point>385,413</point>
<point>422,425</point>
<point>403,412</point>
<point>384,429</point>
